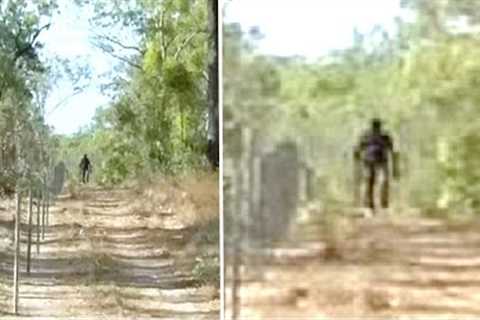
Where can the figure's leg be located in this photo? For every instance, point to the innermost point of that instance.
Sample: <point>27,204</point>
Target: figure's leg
<point>385,186</point>
<point>83,175</point>
<point>369,196</point>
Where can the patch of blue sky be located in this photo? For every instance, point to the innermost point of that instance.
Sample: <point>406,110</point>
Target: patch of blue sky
<point>70,37</point>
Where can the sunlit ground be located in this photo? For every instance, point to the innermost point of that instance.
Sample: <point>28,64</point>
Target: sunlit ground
<point>119,254</point>
<point>404,266</point>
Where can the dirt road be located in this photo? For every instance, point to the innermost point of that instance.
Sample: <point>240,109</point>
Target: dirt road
<point>403,267</point>
<point>102,258</point>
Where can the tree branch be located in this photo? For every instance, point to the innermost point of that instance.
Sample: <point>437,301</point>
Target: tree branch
<point>162,34</point>
<point>119,57</point>
<point>127,61</point>
<point>185,43</point>
<point>119,43</point>
<point>35,36</point>
<point>111,52</point>
<point>29,46</point>
<point>205,75</point>
<point>65,99</point>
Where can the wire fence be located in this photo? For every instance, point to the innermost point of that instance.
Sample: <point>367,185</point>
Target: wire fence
<point>265,182</point>
<point>32,213</point>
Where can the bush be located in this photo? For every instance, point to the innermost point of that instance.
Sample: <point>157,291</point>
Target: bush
<point>207,271</point>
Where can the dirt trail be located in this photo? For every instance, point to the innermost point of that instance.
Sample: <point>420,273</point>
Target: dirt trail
<point>405,266</point>
<point>102,260</point>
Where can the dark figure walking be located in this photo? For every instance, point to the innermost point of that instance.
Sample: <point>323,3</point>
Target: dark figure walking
<point>374,150</point>
<point>85,167</point>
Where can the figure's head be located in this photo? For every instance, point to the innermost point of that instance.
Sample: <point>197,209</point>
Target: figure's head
<point>376,124</point>
<point>85,155</point>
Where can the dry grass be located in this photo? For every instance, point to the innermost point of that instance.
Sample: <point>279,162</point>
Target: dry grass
<point>76,191</point>
<point>186,202</point>
<point>335,232</point>
<point>193,199</point>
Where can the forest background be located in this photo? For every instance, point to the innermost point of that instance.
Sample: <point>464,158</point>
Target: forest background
<point>157,120</point>
<point>421,80</point>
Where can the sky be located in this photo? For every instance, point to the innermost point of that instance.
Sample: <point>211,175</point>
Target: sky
<point>70,37</point>
<point>310,28</point>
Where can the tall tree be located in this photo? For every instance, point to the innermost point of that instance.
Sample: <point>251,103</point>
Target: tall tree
<point>213,76</point>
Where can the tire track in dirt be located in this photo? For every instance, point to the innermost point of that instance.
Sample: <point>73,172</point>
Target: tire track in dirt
<point>99,261</point>
<point>408,267</point>
<point>443,274</point>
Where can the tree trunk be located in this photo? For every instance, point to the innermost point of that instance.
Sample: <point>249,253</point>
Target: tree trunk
<point>213,79</point>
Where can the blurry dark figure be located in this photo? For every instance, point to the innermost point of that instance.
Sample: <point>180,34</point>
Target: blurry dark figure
<point>374,151</point>
<point>85,168</point>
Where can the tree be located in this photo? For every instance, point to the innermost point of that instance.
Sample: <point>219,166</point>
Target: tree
<point>158,117</point>
<point>422,81</point>
<point>213,77</point>
<point>23,78</point>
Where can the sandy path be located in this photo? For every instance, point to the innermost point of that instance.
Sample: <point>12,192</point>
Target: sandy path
<point>102,260</point>
<point>388,268</point>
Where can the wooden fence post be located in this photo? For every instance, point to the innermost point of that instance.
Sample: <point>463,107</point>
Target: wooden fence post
<point>30,214</point>
<point>39,202</point>
<point>47,190</point>
<point>17,251</point>
<point>48,207</point>
<point>245,210</point>
<point>236,238</point>
<point>44,201</point>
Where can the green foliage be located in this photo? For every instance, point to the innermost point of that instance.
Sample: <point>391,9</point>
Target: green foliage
<point>463,188</point>
<point>156,120</point>
<point>27,148</point>
<point>422,81</point>
<point>207,271</point>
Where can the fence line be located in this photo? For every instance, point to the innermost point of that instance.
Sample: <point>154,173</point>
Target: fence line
<point>45,195</point>
<point>266,182</point>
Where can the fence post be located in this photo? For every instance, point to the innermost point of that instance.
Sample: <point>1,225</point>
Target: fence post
<point>245,192</point>
<point>236,238</point>
<point>39,202</point>
<point>44,201</point>
<point>17,251</point>
<point>48,207</point>
<point>257,210</point>
<point>30,209</point>
<point>47,190</point>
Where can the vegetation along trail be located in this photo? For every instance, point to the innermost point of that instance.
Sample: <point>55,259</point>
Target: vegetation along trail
<point>117,253</point>
<point>132,86</point>
<point>417,72</point>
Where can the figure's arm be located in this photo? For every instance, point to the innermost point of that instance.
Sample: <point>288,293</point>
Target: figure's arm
<point>357,149</point>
